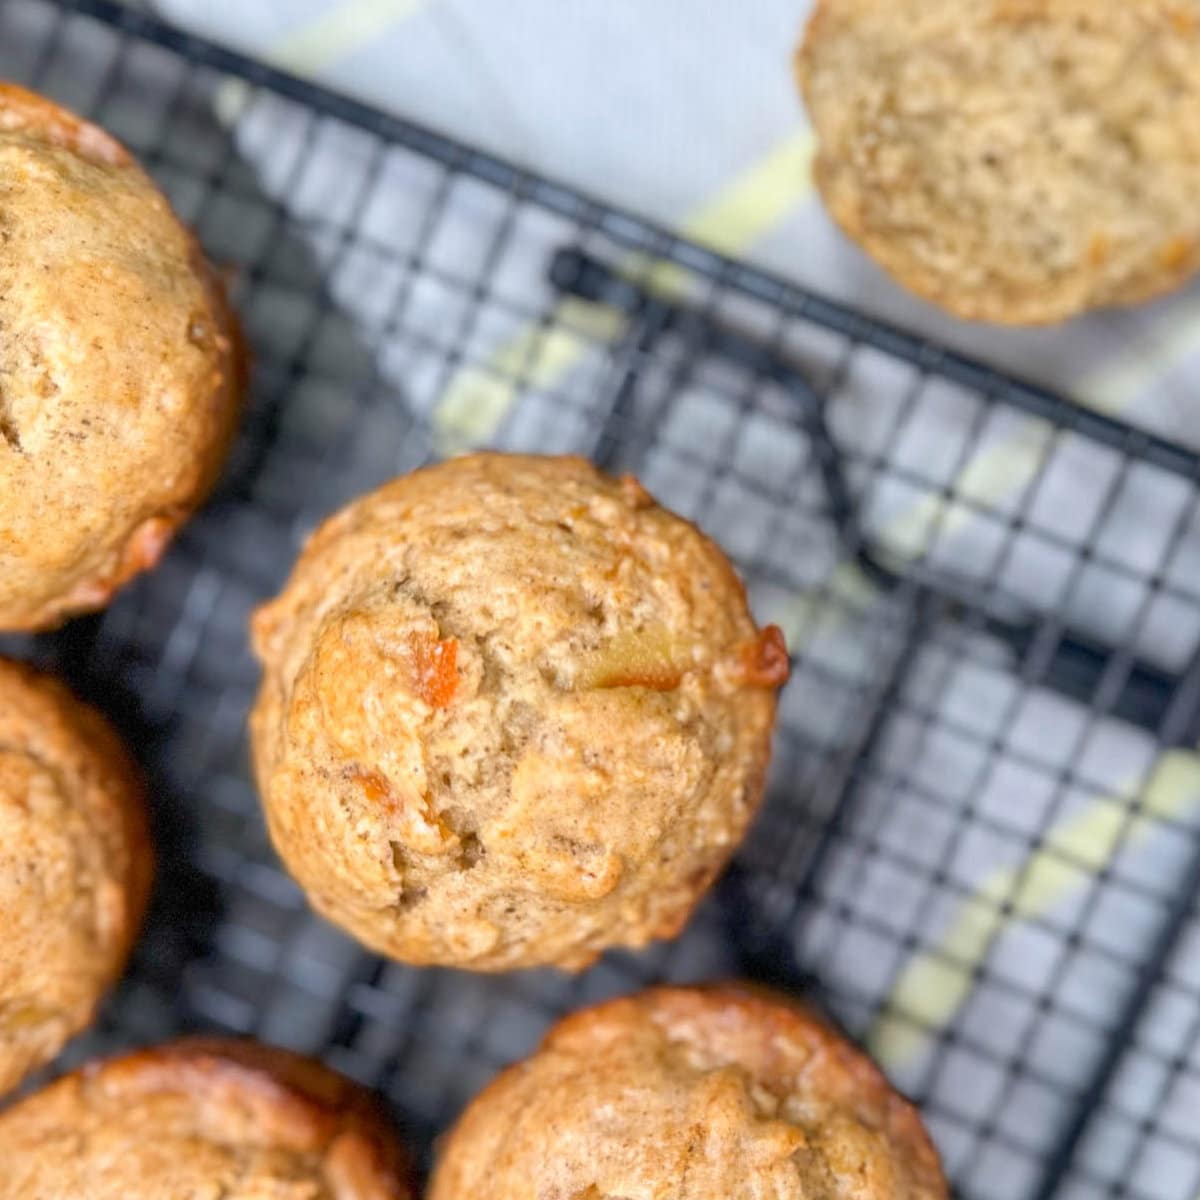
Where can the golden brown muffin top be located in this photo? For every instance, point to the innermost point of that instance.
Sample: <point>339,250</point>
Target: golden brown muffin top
<point>690,1094</point>
<point>75,865</point>
<point>1016,161</point>
<point>119,377</point>
<point>513,712</point>
<point>203,1119</point>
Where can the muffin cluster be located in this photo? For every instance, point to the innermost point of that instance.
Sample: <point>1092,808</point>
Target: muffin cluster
<point>513,713</point>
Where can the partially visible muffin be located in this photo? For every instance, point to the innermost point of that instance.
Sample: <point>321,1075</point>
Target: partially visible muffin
<point>120,371</point>
<point>693,1093</point>
<point>204,1118</point>
<point>75,866</point>
<point>1016,161</point>
<point>512,713</point>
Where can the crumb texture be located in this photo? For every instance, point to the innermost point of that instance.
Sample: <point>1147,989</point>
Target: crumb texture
<point>204,1119</point>
<point>74,866</point>
<point>513,713</point>
<point>1015,161</point>
<point>119,370</point>
<point>690,1094</point>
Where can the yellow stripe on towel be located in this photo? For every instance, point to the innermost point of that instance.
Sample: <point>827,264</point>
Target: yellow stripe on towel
<point>937,981</point>
<point>340,31</point>
<point>542,353</point>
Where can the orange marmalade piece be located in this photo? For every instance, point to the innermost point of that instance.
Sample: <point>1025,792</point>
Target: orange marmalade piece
<point>762,661</point>
<point>435,668</point>
<point>633,493</point>
<point>1099,249</point>
<point>375,788</point>
<point>1176,253</point>
<point>419,825</point>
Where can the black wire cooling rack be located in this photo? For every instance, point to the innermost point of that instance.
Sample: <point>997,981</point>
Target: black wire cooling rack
<point>980,851</point>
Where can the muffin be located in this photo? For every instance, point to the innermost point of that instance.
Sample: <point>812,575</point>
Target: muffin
<point>204,1118</point>
<point>512,713</point>
<point>119,367</point>
<point>1015,161</point>
<point>75,866</point>
<point>696,1094</point>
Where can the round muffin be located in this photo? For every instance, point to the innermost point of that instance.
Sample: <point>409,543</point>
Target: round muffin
<point>693,1093</point>
<point>120,372</point>
<point>75,866</point>
<point>201,1118</point>
<point>1015,161</point>
<point>513,713</point>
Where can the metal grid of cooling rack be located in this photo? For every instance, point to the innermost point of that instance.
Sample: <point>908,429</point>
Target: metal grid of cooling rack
<point>981,847</point>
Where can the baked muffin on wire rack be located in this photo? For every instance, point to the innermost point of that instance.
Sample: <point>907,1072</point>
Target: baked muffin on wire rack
<point>75,866</point>
<point>203,1117</point>
<point>513,713</point>
<point>720,1093</point>
<point>120,366</point>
